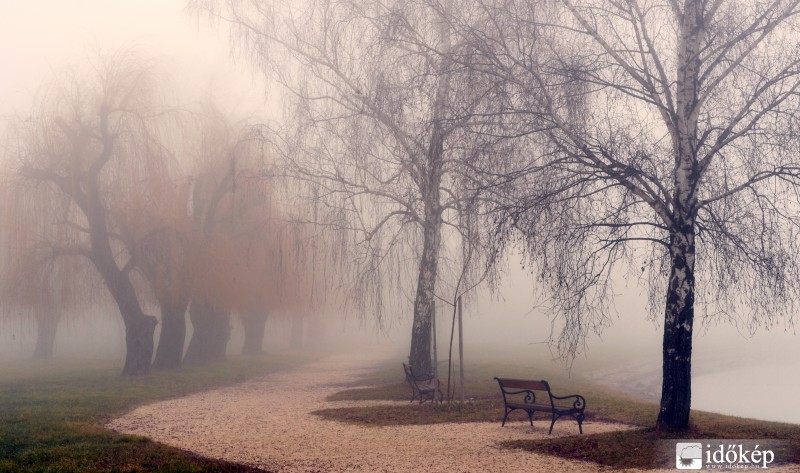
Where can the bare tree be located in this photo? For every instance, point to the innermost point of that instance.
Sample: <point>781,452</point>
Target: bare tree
<point>159,233</point>
<point>228,182</point>
<point>89,141</point>
<point>380,123</point>
<point>661,133</point>
<point>35,285</point>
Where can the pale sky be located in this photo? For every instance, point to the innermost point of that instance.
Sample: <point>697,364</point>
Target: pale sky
<point>38,37</point>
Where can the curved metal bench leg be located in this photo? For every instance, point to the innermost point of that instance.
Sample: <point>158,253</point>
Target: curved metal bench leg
<point>552,424</point>
<point>505,417</point>
<point>530,417</point>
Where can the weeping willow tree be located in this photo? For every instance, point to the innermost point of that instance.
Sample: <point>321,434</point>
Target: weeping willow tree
<point>228,182</point>
<point>158,231</point>
<point>89,141</point>
<point>35,285</point>
<point>253,247</point>
<point>382,123</point>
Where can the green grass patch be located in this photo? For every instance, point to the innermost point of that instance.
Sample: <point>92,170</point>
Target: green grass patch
<point>636,448</point>
<point>52,415</point>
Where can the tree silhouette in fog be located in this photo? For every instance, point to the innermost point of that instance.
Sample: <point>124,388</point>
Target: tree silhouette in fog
<point>381,121</point>
<point>90,139</point>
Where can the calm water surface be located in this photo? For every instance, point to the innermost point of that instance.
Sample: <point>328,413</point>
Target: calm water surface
<point>766,392</point>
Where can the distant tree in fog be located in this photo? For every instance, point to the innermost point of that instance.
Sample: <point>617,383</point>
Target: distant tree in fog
<point>158,232</point>
<point>89,141</point>
<point>225,162</point>
<point>34,286</point>
<point>381,122</point>
<point>663,134</point>
<point>175,208</point>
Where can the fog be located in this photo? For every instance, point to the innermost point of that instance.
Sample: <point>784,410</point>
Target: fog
<point>41,37</point>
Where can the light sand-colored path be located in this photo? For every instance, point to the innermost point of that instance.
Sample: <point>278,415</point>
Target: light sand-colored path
<point>267,422</point>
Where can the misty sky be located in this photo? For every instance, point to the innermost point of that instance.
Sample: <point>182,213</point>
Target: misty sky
<point>39,37</point>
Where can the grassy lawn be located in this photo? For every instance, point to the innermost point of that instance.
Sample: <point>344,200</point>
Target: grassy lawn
<point>628,449</point>
<point>52,415</point>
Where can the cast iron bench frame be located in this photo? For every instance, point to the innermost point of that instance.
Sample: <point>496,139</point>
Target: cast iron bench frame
<point>515,389</point>
<point>423,388</point>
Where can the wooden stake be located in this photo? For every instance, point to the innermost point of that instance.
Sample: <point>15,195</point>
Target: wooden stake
<point>461,348</point>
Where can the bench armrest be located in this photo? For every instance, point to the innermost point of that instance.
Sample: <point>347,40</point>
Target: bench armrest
<point>530,396</point>
<point>579,402</point>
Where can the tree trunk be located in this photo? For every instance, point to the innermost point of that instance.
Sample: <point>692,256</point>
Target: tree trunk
<point>173,335</point>
<point>424,303</point>
<point>139,327</point>
<point>212,330</point>
<point>296,338</point>
<point>254,326</point>
<point>139,334</point>
<point>676,390</point>
<point>47,319</point>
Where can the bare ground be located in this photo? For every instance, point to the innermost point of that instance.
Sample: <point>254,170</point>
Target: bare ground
<point>268,423</point>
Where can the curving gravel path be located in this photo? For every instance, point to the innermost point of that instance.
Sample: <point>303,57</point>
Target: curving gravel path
<point>267,422</point>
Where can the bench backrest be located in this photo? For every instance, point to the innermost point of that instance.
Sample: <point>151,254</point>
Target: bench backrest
<point>513,387</point>
<point>410,377</point>
<point>523,384</point>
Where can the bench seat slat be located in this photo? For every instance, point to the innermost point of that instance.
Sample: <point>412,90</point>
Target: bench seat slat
<point>541,407</point>
<point>522,405</point>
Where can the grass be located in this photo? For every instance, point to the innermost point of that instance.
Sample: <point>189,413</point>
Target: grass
<point>638,448</point>
<point>52,415</point>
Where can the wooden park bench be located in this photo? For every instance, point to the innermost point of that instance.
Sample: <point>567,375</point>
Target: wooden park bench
<point>522,394</point>
<point>423,388</point>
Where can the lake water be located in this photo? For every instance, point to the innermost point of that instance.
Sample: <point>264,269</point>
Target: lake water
<point>765,391</point>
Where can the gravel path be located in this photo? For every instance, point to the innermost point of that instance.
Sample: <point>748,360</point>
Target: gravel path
<point>267,422</point>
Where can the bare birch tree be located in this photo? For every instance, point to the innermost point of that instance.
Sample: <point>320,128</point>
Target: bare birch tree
<point>669,125</point>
